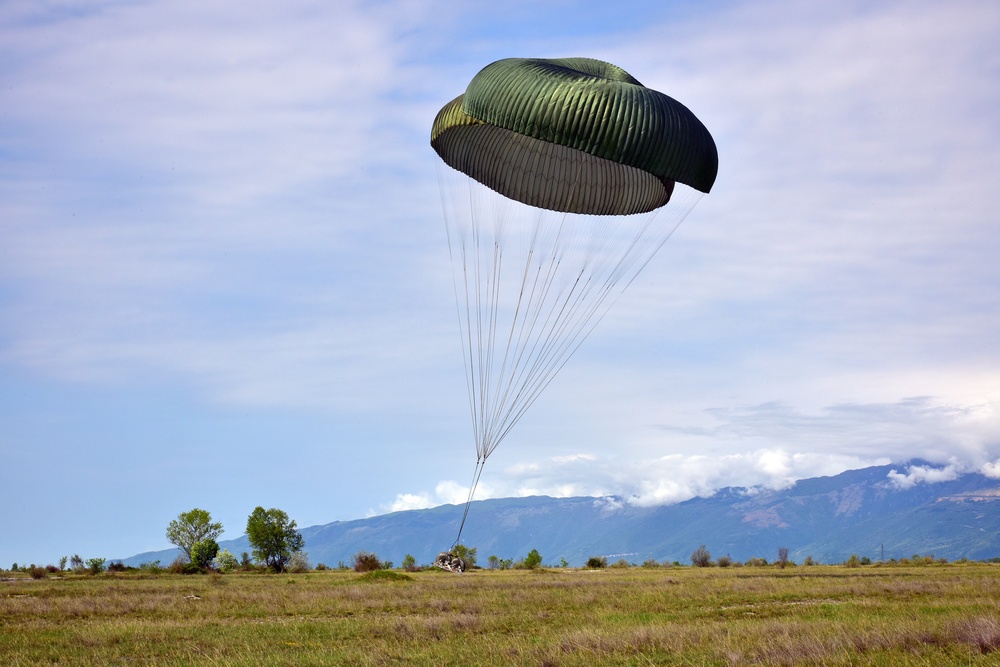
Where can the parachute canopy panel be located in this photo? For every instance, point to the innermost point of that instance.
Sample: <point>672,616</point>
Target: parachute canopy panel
<point>575,135</point>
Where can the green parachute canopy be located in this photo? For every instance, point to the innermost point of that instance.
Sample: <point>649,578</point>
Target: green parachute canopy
<point>555,181</point>
<point>574,135</point>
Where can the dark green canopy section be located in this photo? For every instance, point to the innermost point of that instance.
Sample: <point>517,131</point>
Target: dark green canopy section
<point>574,134</point>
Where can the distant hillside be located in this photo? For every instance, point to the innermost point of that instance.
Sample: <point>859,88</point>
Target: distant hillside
<point>829,518</point>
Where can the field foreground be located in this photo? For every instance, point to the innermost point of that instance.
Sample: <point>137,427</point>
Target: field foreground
<point>823,615</point>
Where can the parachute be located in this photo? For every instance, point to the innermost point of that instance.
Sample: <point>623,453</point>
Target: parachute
<point>560,179</point>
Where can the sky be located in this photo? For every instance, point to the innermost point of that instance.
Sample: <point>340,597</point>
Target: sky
<point>224,277</point>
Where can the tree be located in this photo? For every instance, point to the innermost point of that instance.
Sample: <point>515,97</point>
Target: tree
<point>782,557</point>
<point>273,537</point>
<point>701,557</point>
<point>203,552</point>
<point>465,553</point>
<point>192,527</point>
<point>533,560</point>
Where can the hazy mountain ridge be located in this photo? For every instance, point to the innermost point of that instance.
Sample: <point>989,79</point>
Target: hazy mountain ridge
<point>829,518</point>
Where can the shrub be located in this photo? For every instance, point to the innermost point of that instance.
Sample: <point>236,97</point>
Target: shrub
<point>756,562</point>
<point>118,566</point>
<point>95,565</point>
<point>493,561</point>
<point>725,561</point>
<point>321,567</point>
<point>52,569</point>
<point>152,567</point>
<point>701,557</point>
<point>299,562</point>
<point>809,561</point>
<point>853,561</point>
<point>37,572</point>
<point>182,566</point>
<point>366,562</point>
<point>410,563</point>
<point>621,564</point>
<point>650,563</point>
<point>597,562</point>
<point>225,561</point>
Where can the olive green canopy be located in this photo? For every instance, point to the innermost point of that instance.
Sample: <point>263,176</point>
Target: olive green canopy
<point>575,135</point>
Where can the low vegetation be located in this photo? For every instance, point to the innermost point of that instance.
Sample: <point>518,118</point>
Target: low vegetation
<point>912,614</point>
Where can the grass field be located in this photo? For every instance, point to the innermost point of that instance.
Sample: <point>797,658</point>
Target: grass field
<point>822,615</point>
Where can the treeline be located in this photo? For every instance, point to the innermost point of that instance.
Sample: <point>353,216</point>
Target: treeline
<point>278,546</point>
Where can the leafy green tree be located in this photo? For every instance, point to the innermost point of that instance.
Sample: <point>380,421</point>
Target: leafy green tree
<point>95,565</point>
<point>409,563</point>
<point>274,537</point>
<point>203,552</point>
<point>533,560</point>
<point>62,562</point>
<point>192,527</point>
<point>468,554</point>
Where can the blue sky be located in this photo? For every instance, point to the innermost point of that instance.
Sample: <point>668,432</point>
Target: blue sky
<point>224,279</point>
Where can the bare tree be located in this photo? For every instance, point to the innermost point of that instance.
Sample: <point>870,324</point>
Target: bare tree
<point>782,557</point>
<point>701,557</point>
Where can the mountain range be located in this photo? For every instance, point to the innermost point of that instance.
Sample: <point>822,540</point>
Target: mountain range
<point>879,512</point>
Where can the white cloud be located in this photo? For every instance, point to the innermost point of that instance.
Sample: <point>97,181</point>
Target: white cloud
<point>920,474</point>
<point>446,492</point>
<point>991,469</point>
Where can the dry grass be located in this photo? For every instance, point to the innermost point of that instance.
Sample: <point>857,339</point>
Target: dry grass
<point>942,615</point>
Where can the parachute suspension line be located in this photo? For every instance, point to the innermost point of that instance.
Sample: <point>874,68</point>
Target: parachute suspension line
<point>468,501</point>
<point>530,286</point>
